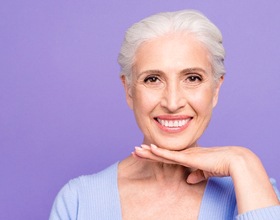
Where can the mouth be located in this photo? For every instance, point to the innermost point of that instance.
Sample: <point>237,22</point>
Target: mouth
<point>173,124</point>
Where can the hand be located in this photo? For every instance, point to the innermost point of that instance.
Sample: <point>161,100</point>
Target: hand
<point>252,186</point>
<point>206,162</point>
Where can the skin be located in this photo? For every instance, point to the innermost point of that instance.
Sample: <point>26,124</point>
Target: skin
<point>172,80</point>
<point>184,87</point>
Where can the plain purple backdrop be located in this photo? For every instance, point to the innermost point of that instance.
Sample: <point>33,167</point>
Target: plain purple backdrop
<point>62,106</point>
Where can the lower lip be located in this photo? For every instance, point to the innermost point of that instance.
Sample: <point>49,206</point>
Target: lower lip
<point>173,129</point>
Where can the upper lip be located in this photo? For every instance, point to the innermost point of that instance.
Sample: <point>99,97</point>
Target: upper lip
<point>173,117</point>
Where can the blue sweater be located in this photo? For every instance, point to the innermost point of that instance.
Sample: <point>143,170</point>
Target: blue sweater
<point>96,197</point>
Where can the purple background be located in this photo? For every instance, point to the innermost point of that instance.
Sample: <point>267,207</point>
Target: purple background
<point>62,106</point>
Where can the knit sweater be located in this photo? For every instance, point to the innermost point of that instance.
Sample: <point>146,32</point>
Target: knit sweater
<point>96,197</point>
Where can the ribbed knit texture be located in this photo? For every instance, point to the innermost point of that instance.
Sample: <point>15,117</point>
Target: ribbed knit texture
<point>270,213</point>
<point>89,197</point>
<point>218,200</point>
<point>96,197</point>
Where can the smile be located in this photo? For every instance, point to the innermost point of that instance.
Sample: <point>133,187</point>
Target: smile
<point>173,123</point>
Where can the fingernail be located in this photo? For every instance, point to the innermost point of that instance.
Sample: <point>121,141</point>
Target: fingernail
<point>144,146</point>
<point>154,146</point>
<point>138,149</point>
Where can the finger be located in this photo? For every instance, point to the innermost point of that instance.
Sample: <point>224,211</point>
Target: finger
<point>137,156</point>
<point>147,154</point>
<point>176,157</point>
<point>144,146</point>
<point>196,176</point>
<point>195,157</point>
<point>140,158</point>
<point>213,161</point>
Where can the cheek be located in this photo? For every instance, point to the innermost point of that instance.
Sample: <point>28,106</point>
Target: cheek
<point>144,99</point>
<point>144,102</point>
<point>202,101</point>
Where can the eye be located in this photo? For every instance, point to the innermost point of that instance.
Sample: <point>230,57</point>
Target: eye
<point>194,78</point>
<point>151,79</point>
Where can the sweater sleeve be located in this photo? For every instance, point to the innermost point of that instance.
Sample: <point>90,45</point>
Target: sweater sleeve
<point>65,206</point>
<point>271,213</point>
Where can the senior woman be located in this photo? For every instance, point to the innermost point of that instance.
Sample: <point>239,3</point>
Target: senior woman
<point>172,71</point>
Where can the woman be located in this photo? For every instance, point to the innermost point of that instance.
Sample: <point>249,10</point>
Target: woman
<point>172,71</point>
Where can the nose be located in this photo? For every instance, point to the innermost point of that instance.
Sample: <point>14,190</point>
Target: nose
<point>173,98</point>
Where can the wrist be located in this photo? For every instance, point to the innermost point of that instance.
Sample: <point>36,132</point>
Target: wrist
<point>252,185</point>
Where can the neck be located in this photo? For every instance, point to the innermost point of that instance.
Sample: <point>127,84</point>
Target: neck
<point>167,172</point>
<point>135,168</point>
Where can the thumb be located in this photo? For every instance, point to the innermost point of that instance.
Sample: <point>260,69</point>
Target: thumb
<point>196,176</point>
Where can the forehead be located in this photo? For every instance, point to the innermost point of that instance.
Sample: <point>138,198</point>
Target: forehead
<point>173,52</point>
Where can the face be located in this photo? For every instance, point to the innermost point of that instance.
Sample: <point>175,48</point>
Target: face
<point>173,91</point>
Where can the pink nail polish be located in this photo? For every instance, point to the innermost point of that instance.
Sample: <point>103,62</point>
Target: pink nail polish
<point>154,146</point>
<point>144,146</point>
<point>138,149</point>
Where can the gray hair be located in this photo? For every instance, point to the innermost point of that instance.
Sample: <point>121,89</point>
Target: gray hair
<point>186,21</point>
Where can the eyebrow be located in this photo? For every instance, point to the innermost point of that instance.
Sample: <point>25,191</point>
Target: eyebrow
<point>184,71</point>
<point>195,69</point>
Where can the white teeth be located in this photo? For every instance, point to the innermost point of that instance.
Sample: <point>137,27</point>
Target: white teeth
<point>170,124</point>
<point>173,123</point>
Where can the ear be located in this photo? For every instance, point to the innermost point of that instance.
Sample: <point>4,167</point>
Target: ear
<point>127,89</point>
<point>217,90</point>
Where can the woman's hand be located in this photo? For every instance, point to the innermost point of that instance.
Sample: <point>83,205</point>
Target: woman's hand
<point>252,186</point>
<point>207,162</point>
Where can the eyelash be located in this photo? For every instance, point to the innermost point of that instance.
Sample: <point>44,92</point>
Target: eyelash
<point>193,78</point>
<point>151,79</point>
<point>189,78</point>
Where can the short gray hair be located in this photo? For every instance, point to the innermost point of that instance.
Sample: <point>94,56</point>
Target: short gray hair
<point>189,21</point>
